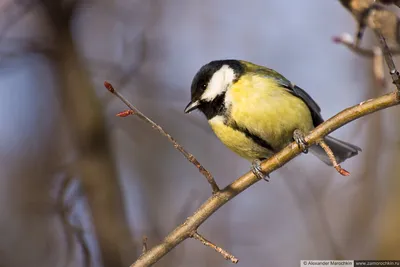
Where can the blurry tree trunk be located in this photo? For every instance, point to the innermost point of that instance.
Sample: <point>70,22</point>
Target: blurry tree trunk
<point>29,161</point>
<point>364,199</point>
<point>94,157</point>
<point>388,233</point>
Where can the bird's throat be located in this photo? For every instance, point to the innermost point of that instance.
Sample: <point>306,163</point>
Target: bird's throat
<point>213,108</point>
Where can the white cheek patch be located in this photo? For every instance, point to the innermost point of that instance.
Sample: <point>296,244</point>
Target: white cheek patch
<point>219,83</point>
<point>217,120</point>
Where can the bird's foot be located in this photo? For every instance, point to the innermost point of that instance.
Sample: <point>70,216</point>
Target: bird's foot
<point>298,137</point>
<point>256,169</point>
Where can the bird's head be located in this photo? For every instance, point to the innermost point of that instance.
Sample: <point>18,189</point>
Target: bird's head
<point>210,84</point>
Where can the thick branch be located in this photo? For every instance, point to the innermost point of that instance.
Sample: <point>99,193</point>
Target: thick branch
<point>219,199</point>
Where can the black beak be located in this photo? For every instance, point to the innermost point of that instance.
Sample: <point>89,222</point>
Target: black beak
<point>192,106</point>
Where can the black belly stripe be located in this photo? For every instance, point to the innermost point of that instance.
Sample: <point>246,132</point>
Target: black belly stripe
<point>256,139</point>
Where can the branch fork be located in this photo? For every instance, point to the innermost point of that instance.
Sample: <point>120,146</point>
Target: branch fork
<point>207,243</point>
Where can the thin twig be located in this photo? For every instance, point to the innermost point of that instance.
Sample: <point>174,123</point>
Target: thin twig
<point>158,128</point>
<point>64,212</point>
<point>80,236</point>
<point>374,15</point>
<point>205,242</point>
<point>144,244</point>
<point>378,67</point>
<point>71,230</point>
<point>332,158</point>
<point>219,199</point>
<point>347,40</point>
<point>389,60</point>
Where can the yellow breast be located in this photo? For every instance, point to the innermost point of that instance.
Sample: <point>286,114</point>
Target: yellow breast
<point>237,141</point>
<point>267,110</point>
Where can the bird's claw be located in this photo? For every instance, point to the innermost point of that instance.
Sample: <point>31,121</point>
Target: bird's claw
<point>256,169</point>
<point>298,137</point>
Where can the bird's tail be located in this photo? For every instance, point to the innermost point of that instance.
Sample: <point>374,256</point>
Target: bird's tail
<point>342,150</point>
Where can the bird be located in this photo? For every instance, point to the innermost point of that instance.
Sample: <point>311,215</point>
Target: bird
<point>255,112</point>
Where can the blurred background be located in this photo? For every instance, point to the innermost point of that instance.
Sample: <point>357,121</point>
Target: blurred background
<point>78,182</point>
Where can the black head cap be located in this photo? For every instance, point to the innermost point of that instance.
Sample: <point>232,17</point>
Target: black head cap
<point>204,75</point>
<point>214,104</point>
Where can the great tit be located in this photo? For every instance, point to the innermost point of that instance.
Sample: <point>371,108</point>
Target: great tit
<point>255,111</point>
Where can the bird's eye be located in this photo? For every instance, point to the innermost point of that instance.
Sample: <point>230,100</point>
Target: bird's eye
<point>204,86</point>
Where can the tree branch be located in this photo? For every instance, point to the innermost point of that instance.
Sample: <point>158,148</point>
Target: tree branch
<point>378,67</point>
<point>376,54</point>
<point>144,244</point>
<point>220,250</point>
<point>332,158</point>
<point>347,40</point>
<point>219,199</point>
<point>389,60</point>
<point>374,15</point>
<point>158,128</point>
<point>72,230</point>
<point>64,211</point>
